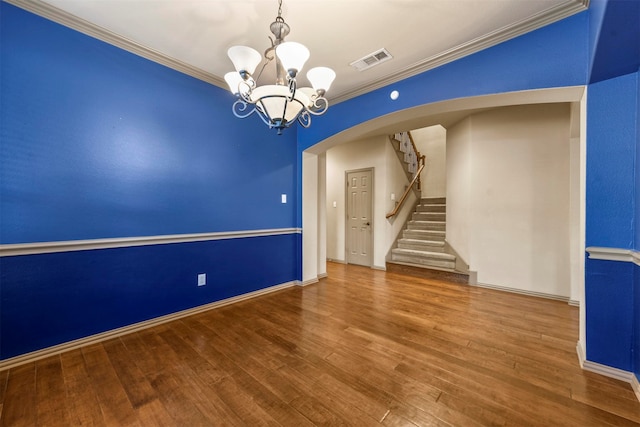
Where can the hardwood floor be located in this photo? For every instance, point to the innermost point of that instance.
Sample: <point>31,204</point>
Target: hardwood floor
<point>362,347</point>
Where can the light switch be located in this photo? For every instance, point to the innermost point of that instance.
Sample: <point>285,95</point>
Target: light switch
<point>284,198</point>
<point>393,197</point>
<point>335,204</point>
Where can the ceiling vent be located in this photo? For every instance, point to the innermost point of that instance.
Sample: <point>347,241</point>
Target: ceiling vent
<point>371,60</point>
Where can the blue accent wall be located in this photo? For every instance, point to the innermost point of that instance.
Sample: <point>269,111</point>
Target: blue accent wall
<point>612,288</point>
<point>616,48</point>
<point>636,321</point>
<point>49,299</point>
<point>553,56</point>
<point>99,143</point>
<point>609,297</point>
<point>611,155</point>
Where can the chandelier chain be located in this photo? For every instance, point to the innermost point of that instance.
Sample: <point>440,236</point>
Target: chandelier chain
<point>279,8</point>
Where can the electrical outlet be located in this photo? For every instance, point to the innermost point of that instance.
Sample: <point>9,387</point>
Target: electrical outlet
<point>202,279</point>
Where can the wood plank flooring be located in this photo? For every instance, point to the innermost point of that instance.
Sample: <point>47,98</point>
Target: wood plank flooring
<point>362,347</point>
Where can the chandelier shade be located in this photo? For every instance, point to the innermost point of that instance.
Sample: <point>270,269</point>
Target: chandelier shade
<point>233,79</point>
<point>293,56</point>
<point>282,104</point>
<point>321,78</point>
<point>245,59</point>
<point>274,101</point>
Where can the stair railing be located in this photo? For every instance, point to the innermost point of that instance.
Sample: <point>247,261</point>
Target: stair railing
<point>419,157</point>
<point>416,178</point>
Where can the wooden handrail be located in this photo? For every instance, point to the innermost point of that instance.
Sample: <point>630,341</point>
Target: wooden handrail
<point>408,190</point>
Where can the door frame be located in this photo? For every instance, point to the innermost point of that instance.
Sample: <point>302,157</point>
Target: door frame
<point>346,214</point>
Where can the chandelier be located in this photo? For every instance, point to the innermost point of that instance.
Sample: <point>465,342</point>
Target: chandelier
<point>282,104</point>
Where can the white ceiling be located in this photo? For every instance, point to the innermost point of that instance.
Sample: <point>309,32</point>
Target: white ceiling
<point>194,35</point>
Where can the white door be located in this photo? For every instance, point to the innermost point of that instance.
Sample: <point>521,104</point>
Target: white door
<point>359,207</point>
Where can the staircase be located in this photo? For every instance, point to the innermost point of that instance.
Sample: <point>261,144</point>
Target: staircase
<point>422,242</point>
<point>422,251</point>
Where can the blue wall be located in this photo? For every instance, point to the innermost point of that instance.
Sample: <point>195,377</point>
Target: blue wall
<point>553,56</point>
<point>614,38</point>
<point>49,299</point>
<point>100,143</point>
<point>610,310</point>
<point>611,155</point>
<point>636,322</point>
<point>610,220</point>
<point>613,183</point>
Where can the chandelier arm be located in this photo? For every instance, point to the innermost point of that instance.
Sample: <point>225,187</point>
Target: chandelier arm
<point>262,69</point>
<point>245,95</point>
<point>284,111</point>
<point>292,89</point>
<point>320,106</point>
<point>304,119</point>
<point>239,108</point>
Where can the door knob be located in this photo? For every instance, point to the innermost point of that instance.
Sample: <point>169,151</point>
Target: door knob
<point>367,223</point>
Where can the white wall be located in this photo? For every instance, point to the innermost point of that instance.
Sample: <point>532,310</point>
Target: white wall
<point>458,188</point>
<point>322,218</point>
<point>508,197</point>
<point>376,153</point>
<point>310,218</point>
<point>432,143</point>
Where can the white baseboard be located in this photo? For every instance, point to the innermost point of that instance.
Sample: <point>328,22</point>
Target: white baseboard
<point>635,384</point>
<point>523,292</point>
<point>608,371</point>
<point>322,275</point>
<point>114,333</point>
<point>582,355</point>
<point>307,282</point>
<point>377,267</point>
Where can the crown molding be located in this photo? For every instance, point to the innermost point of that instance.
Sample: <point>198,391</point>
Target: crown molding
<point>54,14</point>
<point>549,16</point>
